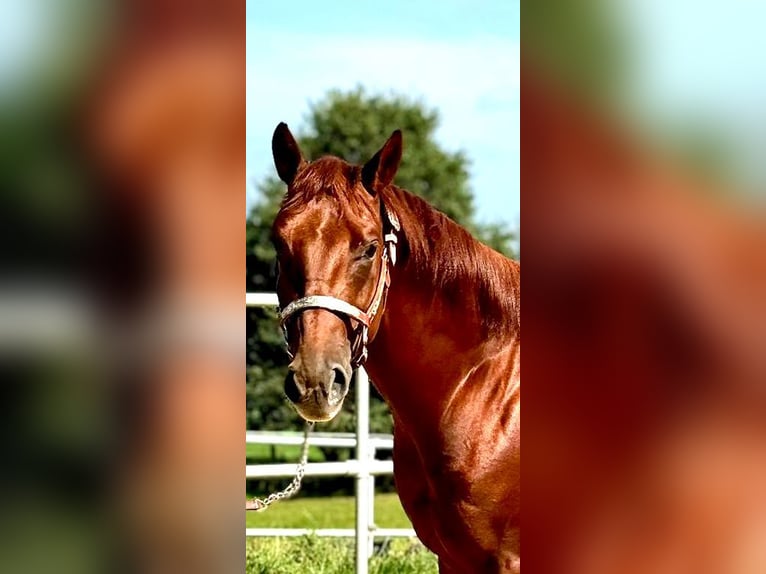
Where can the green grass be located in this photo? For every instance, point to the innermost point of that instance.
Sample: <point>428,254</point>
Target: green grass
<point>333,512</point>
<point>312,555</point>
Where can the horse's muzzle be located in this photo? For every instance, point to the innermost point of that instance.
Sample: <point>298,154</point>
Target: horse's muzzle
<point>317,395</point>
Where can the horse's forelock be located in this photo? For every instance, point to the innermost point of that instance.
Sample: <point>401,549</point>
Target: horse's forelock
<point>327,177</point>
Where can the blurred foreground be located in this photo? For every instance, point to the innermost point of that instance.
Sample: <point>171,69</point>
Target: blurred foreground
<point>645,306</point>
<point>121,331</point>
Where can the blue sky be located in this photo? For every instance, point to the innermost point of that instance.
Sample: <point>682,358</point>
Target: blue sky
<point>458,56</point>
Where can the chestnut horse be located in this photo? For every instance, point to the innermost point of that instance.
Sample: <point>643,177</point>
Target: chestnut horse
<point>363,262</point>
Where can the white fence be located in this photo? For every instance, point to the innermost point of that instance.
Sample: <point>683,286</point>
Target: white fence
<point>364,467</point>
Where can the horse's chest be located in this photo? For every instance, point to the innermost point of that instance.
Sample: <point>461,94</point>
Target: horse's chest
<point>441,509</point>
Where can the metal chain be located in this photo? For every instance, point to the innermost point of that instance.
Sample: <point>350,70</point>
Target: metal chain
<point>259,504</point>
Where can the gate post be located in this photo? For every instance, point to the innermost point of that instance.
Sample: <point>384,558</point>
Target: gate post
<point>372,453</point>
<point>362,478</point>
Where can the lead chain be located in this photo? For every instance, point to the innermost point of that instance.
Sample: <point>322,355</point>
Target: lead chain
<point>260,504</point>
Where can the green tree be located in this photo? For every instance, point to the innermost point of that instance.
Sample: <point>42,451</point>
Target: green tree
<point>351,125</point>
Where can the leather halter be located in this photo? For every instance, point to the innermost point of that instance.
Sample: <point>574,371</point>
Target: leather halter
<point>366,318</point>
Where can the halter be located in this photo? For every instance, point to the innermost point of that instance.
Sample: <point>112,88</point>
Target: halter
<point>364,318</point>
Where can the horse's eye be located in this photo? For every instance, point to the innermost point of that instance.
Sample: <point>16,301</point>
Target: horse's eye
<point>371,250</point>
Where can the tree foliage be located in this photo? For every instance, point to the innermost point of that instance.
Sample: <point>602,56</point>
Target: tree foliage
<point>352,125</point>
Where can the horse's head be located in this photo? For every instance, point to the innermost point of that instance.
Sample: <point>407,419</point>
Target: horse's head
<point>332,235</point>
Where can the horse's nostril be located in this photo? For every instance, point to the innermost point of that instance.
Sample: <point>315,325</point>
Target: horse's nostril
<point>340,378</point>
<point>292,390</point>
<point>338,387</point>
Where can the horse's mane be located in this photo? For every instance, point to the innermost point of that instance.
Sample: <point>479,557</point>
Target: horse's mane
<point>446,256</point>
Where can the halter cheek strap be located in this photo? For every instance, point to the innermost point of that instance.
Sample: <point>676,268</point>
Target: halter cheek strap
<point>364,319</point>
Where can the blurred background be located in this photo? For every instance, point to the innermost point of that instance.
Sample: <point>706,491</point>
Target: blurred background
<point>688,77</point>
<point>121,168</point>
<point>642,131</point>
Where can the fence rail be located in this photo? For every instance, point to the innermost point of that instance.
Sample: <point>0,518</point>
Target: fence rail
<point>364,467</point>
<point>340,468</point>
<point>332,439</point>
<point>330,532</point>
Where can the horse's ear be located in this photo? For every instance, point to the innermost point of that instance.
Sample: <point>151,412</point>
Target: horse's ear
<point>381,169</point>
<point>287,155</point>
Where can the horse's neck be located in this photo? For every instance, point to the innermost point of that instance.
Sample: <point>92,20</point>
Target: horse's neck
<point>438,325</point>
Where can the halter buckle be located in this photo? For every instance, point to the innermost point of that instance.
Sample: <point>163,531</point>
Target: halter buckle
<point>391,240</point>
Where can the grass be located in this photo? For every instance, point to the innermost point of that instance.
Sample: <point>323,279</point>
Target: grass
<point>313,555</point>
<point>334,512</point>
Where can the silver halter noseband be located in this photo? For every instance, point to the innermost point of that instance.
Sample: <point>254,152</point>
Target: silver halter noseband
<point>364,318</point>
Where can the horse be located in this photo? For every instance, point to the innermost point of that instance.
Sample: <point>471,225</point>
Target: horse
<point>369,273</point>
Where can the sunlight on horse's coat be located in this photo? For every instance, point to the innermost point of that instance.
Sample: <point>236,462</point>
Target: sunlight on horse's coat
<point>444,342</point>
